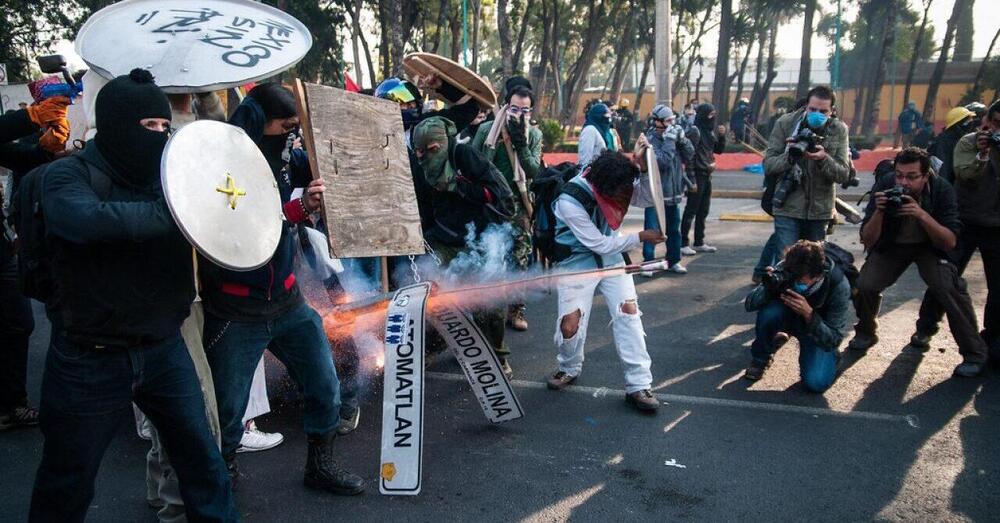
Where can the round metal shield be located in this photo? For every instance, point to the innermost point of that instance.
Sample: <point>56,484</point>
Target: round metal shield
<point>193,46</point>
<point>222,194</point>
<point>470,83</point>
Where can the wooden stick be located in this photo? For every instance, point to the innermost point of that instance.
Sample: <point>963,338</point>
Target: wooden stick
<point>309,142</point>
<point>384,265</point>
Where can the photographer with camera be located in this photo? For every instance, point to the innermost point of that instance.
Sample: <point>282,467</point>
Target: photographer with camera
<point>807,153</point>
<point>977,189</point>
<point>913,218</point>
<point>806,296</point>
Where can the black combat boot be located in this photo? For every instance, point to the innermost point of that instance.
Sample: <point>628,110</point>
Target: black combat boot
<point>323,473</point>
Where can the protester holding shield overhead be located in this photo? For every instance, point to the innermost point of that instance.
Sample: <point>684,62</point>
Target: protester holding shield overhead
<point>246,312</point>
<point>511,135</point>
<point>123,283</point>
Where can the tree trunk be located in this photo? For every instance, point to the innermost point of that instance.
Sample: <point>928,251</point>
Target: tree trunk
<point>805,62</point>
<point>622,53</point>
<point>935,82</point>
<point>396,38</point>
<point>872,103</point>
<point>694,49</point>
<point>442,19</point>
<point>772,72</point>
<point>720,84</point>
<point>640,90</point>
<point>964,35</point>
<point>592,39</point>
<point>506,45</point>
<point>519,46</point>
<point>477,11</point>
<point>916,45</point>
<point>743,69</point>
<point>539,74</point>
<point>759,70</point>
<point>619,81</point>
<point>355,36</point>
<point>456,37</point>
<point>977,85</point>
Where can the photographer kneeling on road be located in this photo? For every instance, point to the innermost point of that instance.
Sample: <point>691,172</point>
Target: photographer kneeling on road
<point>808,152</point>
<point>806,296</point>
<point>913,218</point>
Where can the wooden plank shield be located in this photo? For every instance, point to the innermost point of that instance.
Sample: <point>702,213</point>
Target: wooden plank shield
<point>403,393</point>
<point>656,186</point>
<point>357,145</point>
<point>427,64</point>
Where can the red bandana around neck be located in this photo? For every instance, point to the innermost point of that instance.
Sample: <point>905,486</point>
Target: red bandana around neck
<point>613,208</point>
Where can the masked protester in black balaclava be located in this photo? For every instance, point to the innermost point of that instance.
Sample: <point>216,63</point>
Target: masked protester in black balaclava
<point>132,150</point>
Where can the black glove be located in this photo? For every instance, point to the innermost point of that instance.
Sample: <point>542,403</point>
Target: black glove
<point>517,133</point>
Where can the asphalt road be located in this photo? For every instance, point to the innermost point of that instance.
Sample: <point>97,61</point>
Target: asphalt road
<point>896,438</point>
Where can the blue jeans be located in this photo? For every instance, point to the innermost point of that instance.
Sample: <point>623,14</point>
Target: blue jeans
<point>86,393</point>
<point>817,365</point>
<point>673,232</point>
<point>790,230</point>
<point>297,339</point>
<point>768,256</point>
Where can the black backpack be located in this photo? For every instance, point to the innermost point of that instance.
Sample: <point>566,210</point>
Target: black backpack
<point>34,259</point>
<point>842,259</point>
<point>546,188</point>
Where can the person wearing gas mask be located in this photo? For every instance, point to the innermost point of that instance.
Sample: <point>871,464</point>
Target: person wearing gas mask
<point>957,123</point>
<point>913,218</point>
<point>673,150</point>
<point>808,154</point>
<point>805,296</point>
<point>596,135</point>
<point>123,283</point>
<point>977,170</point>
<point>248,312</point>
<point>711,141</point>
<point>469,195</point>
<point>512,132</point>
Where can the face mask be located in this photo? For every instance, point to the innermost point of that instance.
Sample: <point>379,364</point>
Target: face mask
<point>816,119</point>
<point>800,287</point>
<point>410,117</point>
<point>437,170</point>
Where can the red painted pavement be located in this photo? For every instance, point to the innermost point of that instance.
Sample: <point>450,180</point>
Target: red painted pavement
<point>737,161</point>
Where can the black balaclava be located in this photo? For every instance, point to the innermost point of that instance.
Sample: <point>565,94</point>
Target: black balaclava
<point>702,120</point>
<point>133,151</point>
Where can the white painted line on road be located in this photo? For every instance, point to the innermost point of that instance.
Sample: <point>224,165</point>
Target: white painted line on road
<point>909,419</point>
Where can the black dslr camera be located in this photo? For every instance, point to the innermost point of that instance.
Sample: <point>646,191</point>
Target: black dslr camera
<point>776,282</point>
<point>894,199</point>
<point>995,139</point>
<point>804,141</point>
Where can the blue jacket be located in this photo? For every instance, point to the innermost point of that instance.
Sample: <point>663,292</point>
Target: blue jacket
<point>671,155</point>
<point>271,290</point>
<point>831,303</point>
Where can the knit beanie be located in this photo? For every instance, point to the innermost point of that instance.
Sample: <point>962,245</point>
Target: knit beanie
<point>132,150</point>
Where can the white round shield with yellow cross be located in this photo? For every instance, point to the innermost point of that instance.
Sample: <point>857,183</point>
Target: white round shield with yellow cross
<point>222,194</point>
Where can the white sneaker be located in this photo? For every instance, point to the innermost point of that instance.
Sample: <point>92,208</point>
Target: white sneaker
<point>254,440</point>
<point>347,425</point>
<point>677,268</point>
<point>647,274</point>
<point>704,248</point>
<point>688,251</point>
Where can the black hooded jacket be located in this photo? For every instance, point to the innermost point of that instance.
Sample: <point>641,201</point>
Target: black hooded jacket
<point>19,152</point>
<point>708,144</point>
<point>122,270</point>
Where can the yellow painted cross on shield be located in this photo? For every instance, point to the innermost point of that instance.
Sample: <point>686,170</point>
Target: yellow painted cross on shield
<point>231,190</point>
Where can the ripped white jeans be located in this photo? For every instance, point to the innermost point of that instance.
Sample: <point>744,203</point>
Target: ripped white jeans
<point>630,339</point>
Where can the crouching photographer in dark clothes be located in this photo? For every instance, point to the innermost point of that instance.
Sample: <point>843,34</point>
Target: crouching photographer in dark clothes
<point>913,218</point>
<point>806,296</point>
